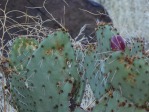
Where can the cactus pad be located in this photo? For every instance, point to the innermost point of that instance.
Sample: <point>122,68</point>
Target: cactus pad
<point>51,76</point>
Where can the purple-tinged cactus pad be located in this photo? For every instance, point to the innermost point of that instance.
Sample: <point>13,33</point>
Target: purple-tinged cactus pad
<point>118,43</point>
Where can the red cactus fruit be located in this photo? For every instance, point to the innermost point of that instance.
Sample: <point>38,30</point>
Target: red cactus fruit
<point>118,43</point>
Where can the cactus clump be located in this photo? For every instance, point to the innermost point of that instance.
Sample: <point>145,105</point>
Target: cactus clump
<point>50,76</point>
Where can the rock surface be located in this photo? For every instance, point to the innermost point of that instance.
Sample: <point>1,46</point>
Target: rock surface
<point>130,17</point>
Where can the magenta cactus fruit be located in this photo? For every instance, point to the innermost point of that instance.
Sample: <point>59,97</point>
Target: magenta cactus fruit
<point>118,43</point>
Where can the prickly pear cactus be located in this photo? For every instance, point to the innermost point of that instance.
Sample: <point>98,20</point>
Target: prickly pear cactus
<point>50,78</point>
<point>94,58</point>
<point>21,51</point>
<point>118,68</point>
<point>113,101</point>
<point>129,75</point>
<point>104,33</point>
<point>135,47</point>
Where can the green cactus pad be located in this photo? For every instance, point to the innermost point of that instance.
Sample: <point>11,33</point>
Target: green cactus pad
<point>52,77</point>
<point>130,76</point>
<point>22,99</point>
<point>104,34</point>
<point>93,72</point>
<point>135,47</point>
<point>21,51</point>
<point>94,56</point>
<point>114,102</point>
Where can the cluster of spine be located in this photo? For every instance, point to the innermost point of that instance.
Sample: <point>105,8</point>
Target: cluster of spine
<point>50,76</point>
